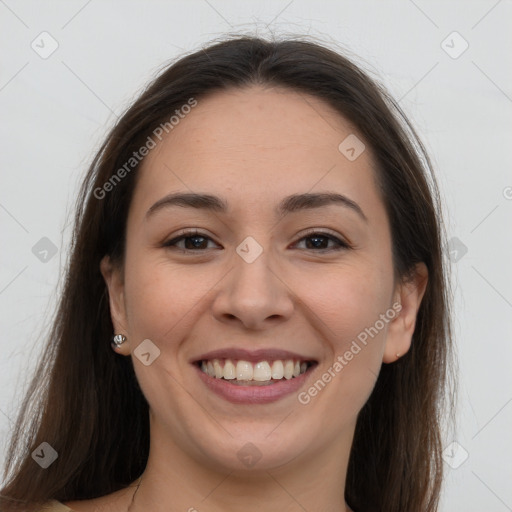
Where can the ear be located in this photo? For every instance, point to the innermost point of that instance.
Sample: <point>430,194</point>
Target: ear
<point>408,294</point>
<point>115,284</point>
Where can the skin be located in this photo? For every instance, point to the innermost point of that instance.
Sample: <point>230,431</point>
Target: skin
<point>235,144</point>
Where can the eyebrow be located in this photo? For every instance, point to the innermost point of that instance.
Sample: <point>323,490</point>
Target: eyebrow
<point>290,204</point>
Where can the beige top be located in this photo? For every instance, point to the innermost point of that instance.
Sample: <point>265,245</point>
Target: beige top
<point>55,506</point>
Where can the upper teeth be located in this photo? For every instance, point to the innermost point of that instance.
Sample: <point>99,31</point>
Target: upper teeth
<point>260,371</point>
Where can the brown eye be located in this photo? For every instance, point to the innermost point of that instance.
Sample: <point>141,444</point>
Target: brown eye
<point>320,242</point>
<point>190,241</point>
<point>195,242</point>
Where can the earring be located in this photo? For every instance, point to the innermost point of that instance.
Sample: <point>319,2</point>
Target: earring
<point>398,355</point>
<point>117,340</point>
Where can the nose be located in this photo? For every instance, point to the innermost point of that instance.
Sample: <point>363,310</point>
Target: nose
<point>253,295</point>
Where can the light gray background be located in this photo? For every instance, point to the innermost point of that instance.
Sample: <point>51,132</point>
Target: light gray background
<point>55,112</point>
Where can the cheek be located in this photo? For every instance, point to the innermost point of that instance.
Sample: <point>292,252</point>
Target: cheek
<point>348,304</point>
<point>163,305</point>
<point>348,299</point>
<point>160,297</point>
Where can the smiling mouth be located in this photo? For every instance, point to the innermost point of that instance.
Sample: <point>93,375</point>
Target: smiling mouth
<point>261,373</point>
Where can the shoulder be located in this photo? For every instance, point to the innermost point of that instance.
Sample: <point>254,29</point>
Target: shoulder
<point>55,506</point>
<point>115,502</point>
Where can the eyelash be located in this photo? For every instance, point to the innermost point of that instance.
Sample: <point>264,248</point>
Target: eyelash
<point>341,245</point>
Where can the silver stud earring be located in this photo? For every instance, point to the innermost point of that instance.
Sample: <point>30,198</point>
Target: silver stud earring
<point>117,340</point>
<point>398,355</point>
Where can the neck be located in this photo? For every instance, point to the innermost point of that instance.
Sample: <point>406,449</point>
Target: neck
<point>174,481</point>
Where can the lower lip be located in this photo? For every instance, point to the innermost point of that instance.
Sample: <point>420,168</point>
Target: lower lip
<point>239,394</point>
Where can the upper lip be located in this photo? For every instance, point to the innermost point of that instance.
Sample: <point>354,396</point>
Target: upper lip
<point>251,355</point>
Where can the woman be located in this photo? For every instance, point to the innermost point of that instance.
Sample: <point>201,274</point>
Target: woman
<point>255,313</point>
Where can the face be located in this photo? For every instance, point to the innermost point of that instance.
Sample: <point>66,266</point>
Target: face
<point>261,279</point>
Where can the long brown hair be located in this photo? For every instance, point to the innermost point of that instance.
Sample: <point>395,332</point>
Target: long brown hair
<point>85,401</point>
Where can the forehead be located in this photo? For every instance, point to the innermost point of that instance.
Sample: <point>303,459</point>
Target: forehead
<point>256,143</point>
